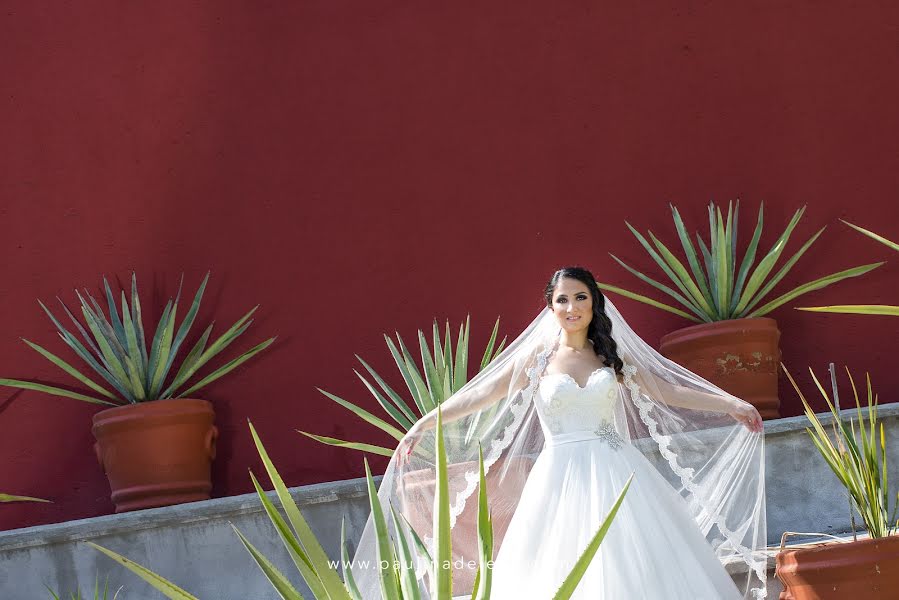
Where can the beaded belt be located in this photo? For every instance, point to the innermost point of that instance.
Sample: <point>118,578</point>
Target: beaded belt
<point>605,432</point>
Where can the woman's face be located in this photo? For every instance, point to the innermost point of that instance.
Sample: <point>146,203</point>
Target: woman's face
<point>572,304</point>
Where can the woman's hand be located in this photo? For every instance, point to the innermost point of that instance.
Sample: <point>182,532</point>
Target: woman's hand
<point>410,441</point>
<point>406,446</point>
<point>746,414</point>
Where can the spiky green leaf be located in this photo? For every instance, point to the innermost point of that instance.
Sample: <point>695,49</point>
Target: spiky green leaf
<point>70,370</point>
<point>14,498</point>
<point>858,309</point>
<point>389,587</point>
<point>783,271</point>
<point>291,543</point>
<point>186,324</point>
<point>817,284</point>
<point>348,578</point>
<point>488,350</point>
<point>317,556</point>
<point>566,590</point>
<point>760,274</point>
<point>213,350</point>
<point>159,583</point>
<point>646,300</point>
<point>748,260</point>
<point>115,321</point>
<point>692,258</point>
<point>189,361</point>
<point>137,318</point>
<point>395,398</point>
<point>380,450</point>
<point>874,236</point>
<point>411,385</point>
<point>442,585</point>
<point>55,391</point>
<point>275,577</point>
<point>230,366</point>
<point>660,286</point>
<point>366,416</point>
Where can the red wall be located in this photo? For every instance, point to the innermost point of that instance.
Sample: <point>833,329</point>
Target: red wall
<point>363,167</point>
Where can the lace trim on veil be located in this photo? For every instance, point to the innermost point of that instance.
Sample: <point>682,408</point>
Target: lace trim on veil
<point>518,408</point>
<point>686,476</point>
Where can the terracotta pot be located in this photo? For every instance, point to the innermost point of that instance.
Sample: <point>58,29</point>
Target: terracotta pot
<point>867,569</point>
<point>738,355</point>
<point>465,533</point>
<point>156,453</point>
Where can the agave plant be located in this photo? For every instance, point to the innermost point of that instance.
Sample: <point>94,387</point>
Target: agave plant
<point>857,455</point>
<point>861,309</point>
<point>724,290</point>
<point>117,350</point>
<point>442,375</point>
<point>397,575</point>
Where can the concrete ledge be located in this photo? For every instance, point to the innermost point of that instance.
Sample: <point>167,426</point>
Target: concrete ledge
<point>193,545</point>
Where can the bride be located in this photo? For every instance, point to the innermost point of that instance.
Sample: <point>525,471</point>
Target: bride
<point>564,415</point>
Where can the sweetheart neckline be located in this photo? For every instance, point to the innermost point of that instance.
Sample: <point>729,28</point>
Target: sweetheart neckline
<point>574,381</point>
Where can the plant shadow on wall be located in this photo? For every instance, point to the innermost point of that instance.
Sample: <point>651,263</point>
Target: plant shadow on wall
<point>155,421</point>
<point>399,547</point>
<point>735,346</point>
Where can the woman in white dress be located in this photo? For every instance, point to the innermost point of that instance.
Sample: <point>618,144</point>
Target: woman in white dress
<point>565,415</point>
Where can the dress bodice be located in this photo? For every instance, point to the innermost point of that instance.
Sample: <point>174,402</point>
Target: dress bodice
<point>568,411</point>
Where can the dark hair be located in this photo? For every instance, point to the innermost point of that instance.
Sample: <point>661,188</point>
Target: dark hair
<point>600,329</point>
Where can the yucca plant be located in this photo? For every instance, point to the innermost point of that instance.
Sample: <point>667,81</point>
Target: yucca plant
<point>117,350</point>
<point>99,593</point>
<point>443,373</point>
<point>861,309</point>
<point>857,455</point>
<point>720,287</point>
<point>395,555</point>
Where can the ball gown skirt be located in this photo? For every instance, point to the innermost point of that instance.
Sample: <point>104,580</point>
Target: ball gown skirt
<point>653,550</point>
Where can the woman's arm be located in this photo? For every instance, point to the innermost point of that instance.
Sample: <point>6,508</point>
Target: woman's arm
<point>464,404</point>
<point>684,397</point>
<point>678,395</point>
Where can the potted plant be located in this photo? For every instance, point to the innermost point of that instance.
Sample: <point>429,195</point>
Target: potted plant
<point>443,372</point>
<point>157,441</point>
<point>735,346</point>
<point>857,454</point>
<point>861,309</point>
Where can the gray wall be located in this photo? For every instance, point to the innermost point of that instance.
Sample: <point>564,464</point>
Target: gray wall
<point>194,545</point>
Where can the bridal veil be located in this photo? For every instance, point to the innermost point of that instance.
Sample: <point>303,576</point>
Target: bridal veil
<point>672,415</point>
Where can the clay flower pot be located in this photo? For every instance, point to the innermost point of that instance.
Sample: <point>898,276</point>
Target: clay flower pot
<point>867,569</point>
<point>740,356</point>
<point>157,453</point>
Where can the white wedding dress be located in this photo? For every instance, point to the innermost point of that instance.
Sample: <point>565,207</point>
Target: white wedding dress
<point>654,549</point>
